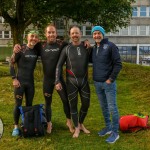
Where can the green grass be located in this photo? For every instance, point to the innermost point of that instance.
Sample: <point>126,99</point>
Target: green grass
<point>133,97</point>
<point>5,52</point>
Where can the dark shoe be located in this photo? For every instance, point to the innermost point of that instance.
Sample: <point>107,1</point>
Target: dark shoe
<point>112,138</point>
<point>104,132</point>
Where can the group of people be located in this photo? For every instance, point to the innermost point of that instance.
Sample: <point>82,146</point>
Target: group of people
<point>106,66</point>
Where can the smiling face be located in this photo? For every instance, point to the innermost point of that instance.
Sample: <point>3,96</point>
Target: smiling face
<point>97,36</point>
<point>32,39</point>
<point>51,34</point>
<point>75,35</point>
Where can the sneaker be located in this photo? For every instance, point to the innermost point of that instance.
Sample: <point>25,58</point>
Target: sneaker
<point>104,132</point>
<point>15,132</point>
<point>113,137</point>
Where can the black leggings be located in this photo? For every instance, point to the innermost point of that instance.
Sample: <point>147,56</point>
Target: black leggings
<point>73,88</point>
<point>48,87</point>
<point>28,90</point>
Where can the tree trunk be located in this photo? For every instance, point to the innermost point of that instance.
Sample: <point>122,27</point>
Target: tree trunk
<point>17,33</point>
<point>66,32</point>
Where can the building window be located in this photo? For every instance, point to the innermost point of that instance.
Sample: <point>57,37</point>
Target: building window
<point>143,11</point>
<point>133,30</point>
<point>81,28</point>
<point>149,30</point>
<point>60,24</point>
<point>1,34</point>
<point>142,30</point>
<point>124,31</point>
<point>128,53</point>
<point>148,11</point>
<point>135,12</point>
<point>88,30</point>
<point>6,34</point>
<point>114,33</point>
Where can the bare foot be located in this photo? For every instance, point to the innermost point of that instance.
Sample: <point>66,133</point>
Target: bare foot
<point>76,133</point>
<point>82,127</point>
<point>49,127</point>
<point>69,124</point>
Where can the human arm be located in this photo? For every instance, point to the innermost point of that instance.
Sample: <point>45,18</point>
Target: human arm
<point>13,60</point>
<point>116,63</point>
<point>59,69</point>
<point>87,44</point>
<point>17,48</point>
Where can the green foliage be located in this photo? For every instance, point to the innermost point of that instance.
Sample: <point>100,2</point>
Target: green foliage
<point>19,14</point>
<point>133,97</point>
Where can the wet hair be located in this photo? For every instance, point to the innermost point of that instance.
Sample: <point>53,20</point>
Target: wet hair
<point>50,25</point>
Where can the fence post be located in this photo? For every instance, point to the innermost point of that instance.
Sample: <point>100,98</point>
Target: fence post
<point>138,54</point>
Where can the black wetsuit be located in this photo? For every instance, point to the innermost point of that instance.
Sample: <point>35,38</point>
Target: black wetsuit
<point>76,58</point>
<point>49,55</point>
<point>26,62</point>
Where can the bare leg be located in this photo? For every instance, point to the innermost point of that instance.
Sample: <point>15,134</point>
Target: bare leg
<point>49,127</point>
<point>70,126</point>
<point>82,127</point>
<point>77,132</point>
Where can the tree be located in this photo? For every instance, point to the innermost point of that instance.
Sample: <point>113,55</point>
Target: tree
<point>19,14</point>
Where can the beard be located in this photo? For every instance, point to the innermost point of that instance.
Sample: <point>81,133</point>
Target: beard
<point>98,40</point>
<point>32,44</point>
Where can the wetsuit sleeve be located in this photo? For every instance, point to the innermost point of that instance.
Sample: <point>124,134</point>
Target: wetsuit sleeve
<point>14,58</point>
<point>90,54</point>
<point>60,64</point>
<point>117,65</point>
<point>38,48</point>
<point>63,45</point>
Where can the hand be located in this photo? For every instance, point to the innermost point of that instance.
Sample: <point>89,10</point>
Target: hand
<point>58,87</point>
<point>16,83</point>
<point>108,81</point>
<point>17,48</point>
<point>87,44</point>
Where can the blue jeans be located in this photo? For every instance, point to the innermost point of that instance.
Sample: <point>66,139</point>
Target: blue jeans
<point>107,97</point>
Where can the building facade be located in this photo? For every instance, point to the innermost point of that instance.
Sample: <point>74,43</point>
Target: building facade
<point>133,42</point>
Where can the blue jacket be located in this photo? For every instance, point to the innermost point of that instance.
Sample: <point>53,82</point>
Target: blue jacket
<point>106,61</point>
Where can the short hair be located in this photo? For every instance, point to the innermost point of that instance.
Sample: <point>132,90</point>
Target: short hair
<point>74,26</point>
<point>50,25</point>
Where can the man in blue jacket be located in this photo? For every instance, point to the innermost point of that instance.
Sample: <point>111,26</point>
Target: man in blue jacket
<point>106,66</point>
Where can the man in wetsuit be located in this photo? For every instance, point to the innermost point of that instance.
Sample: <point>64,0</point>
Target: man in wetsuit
<point>49,55</point>
<point>49,52</point>
<point>76,57</point>
<point>23,81</point>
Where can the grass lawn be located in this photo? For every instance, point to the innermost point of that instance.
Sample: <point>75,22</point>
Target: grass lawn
<point>133,97</point>
<point>5,52</point>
